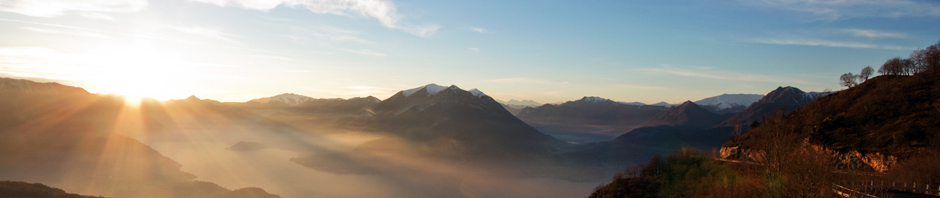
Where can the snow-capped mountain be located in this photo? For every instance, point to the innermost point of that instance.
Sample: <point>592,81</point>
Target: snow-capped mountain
<point>430,88</point>
<point>474,120</point>
<point>725,101</point>
<point>290,99</point>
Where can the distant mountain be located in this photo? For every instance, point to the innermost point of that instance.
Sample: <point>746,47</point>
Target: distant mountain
<point>480,123</point>
<point>521,104</point>
<point>288,99</point>
<point>787,98</point>
<point>588,115</point>
<point>663,104</point>
<point>335,105</point>
<point>728,103</point>
<point>687,114</point>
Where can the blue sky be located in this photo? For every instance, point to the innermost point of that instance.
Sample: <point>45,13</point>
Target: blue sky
<point>548,51</point>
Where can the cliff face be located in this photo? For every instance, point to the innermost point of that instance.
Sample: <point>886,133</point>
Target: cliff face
<point>873,125</point>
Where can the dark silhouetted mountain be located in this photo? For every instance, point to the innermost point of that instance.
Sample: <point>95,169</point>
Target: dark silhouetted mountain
<point>787,98</point>
<point>687,114</point>
<point>884,119</point>
<point>592,115</point>
<point>478,124</point>
<point>728,103</point>
<point>16,189</point>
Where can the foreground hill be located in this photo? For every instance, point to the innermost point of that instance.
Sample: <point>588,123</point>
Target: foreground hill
<point>14,189</point>
<point>874,124</point>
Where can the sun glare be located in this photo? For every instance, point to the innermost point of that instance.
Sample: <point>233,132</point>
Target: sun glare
<point>140,70</point>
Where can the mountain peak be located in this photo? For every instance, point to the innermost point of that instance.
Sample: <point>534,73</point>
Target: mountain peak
<point>476,92</point>
<point>686,114</point>
<point>192,98</point>
<point>430,88</point>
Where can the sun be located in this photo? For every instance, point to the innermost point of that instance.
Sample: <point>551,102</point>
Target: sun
<point>139,70</point>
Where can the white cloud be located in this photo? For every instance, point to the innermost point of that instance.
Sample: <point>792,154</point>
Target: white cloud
<point>706,72</point>
<point>366,52</point>
<point>874,33</point>
<point>382,10</point>
<point>66,32</point>
<point>52,8</point>
<point>95,15</point>
<point>473,49</point>
<point>206,32</point>
<point>480,30</point>
<point>828,43</point>
<point>839,9</point>
<point>641,87</point>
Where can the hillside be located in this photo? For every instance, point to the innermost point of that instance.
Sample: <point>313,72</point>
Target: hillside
<point>883,120</point>
<point>15,189</point>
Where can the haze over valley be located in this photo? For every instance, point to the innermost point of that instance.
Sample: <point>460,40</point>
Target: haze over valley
<point>469,99</point>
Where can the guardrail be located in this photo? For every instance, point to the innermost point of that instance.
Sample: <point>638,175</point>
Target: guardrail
<point>849,188</point>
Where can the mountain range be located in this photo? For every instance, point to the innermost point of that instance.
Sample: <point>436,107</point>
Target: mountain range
<point>439,126</point>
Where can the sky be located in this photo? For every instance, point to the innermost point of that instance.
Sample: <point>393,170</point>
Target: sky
<point>543,50</point>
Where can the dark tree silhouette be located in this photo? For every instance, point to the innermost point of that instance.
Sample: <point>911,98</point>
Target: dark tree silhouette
<point>866,73</point>
<point>848,80</point>
<point>893,66</point>
<point>926,60</point>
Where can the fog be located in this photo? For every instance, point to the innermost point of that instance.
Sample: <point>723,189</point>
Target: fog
<point>202,152</point>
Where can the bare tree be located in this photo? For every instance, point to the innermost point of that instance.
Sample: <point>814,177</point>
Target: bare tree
<point>848,80</point>
<point>928,59</point>
<point>893,66</point>
<point>866,73</point>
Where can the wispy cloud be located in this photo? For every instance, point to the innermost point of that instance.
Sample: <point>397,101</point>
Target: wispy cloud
<point>523,80</point>
<point>95,15</point>
<point>68,32</point>
<point>874,33</point>
<point>52,8</point>
<point>839,9</point>
<point>366,52</point>
<point>382,10</point>
<point>473,49</point>
<point>272,57</point>
<point>477,29</point>
<point>828,43</point>
<point>641,87</point>
<point>205,32</point>
<point>704,72</point>
<point>148,36</point>
<point>360,90</point>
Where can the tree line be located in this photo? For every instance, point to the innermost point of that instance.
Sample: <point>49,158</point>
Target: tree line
<point>921,60</point>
